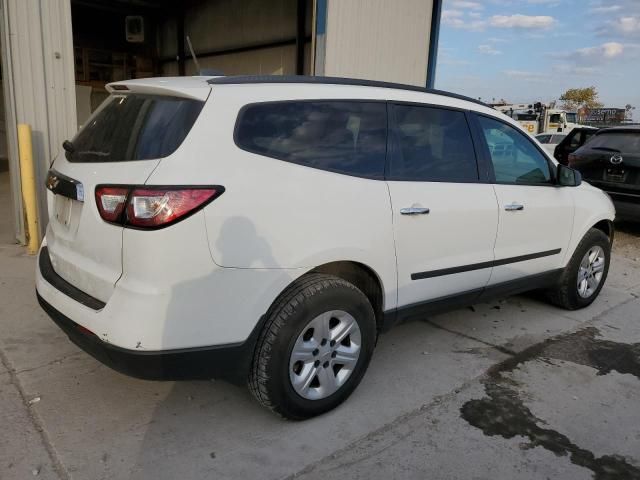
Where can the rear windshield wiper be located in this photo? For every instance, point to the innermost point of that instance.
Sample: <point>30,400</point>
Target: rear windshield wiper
<point>68,146</point>
<point>606,149</point>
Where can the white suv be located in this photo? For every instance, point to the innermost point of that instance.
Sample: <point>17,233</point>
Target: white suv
<point>266,229</point>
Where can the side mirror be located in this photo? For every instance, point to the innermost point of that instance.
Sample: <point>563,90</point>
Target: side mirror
<point>568,177</point>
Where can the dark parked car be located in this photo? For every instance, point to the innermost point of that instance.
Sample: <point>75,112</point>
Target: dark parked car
<point>573,141</point>
<point>611,161</point>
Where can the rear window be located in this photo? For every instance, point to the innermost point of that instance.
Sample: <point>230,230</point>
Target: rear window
<point>625,142</point>
<point>347,137</point>
<point>135,127</point>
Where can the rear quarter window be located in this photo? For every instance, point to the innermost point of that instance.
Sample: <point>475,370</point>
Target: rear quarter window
<point>135,127</point>
<point>346,137</point>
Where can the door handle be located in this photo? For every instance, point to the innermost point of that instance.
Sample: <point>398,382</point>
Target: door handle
<point>514,207</point>
<point>414,211</point>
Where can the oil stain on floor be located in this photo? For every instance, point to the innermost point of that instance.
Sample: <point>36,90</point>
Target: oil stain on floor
<point>503,413</point>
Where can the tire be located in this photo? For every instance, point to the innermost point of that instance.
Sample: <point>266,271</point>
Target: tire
<point>567,294</point>
<point>294,325</point>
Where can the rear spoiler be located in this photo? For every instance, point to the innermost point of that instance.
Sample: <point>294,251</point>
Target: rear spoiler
<point>185,87</point>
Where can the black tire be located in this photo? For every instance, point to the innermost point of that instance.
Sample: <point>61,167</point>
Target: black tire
<point>304,300</point>
<point>565,294</point>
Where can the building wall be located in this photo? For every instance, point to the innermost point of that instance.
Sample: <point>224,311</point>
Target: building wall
<point>3,134</point>
<point>38,79</point>
<point>377,40</point>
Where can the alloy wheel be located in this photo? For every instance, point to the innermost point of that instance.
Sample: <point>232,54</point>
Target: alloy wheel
<point>325,354</point>
<point>591,271</point>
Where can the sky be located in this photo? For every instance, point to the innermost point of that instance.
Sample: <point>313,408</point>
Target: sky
<point>533,50</point>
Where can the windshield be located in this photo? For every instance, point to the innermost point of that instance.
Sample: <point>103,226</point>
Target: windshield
<point>135,127</point>
<point>625,142</point>
<point>555,118</point>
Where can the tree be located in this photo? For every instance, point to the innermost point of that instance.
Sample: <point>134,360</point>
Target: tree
<point>576,98</point>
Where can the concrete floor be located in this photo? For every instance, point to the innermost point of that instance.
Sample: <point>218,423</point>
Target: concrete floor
<point>515,389</point>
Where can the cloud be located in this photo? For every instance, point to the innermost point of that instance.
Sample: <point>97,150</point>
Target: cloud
<point>527,76</point>
<point>598,54</point>
<point>488,50</point>
<point>455,19</point>
<point>616,18</point>
<point>605,9</point>
<point>608,50</point>
<point>549,3</point>
<point>627,25</point>
<point>576,70</point>
<point>466,4</point>
<point>586,61</point>
<point>522,21</point>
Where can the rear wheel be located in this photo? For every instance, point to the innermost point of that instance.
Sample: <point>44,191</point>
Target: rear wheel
<point>585,274</point>
<point>315,347</point>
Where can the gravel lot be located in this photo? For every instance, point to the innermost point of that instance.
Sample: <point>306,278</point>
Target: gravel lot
<point>515,389</point>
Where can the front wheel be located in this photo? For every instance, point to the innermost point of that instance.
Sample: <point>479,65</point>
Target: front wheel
<point>585,274</point>
<point>315,347</point>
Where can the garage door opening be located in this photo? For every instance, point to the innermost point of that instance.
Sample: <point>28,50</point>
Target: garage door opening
<point>122,40</point>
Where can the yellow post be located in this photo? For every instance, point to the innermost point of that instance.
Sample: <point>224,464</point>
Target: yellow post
<point>28,181</point>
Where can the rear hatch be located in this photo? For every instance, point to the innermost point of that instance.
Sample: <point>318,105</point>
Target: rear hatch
<point>611,160</point>
<point>122,143</point>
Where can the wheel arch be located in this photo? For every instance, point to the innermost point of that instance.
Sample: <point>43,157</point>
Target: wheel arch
<point>605,226</point>
<point>363,277</point>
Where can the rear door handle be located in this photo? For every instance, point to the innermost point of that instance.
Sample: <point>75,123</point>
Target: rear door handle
<point>414,211</point>
<point>514,207</point>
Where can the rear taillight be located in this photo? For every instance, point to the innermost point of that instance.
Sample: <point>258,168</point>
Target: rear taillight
<point>152,207</point>
<point>111,202</point>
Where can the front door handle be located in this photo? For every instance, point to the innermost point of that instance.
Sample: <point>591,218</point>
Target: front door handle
<point>514,207</point>
<point>414,211</point>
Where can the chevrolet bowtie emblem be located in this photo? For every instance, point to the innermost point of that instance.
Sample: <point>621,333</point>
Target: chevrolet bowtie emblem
<point>52,182</point>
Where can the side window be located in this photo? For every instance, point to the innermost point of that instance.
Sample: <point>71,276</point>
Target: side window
<point>514,157</point>
<point>587,135</point>
<point>432,145</point>
<point>575,141</point>
<point>342,136</point>
<point>543,138</point>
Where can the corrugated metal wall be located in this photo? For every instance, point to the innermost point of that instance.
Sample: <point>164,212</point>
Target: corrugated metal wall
<point>38,41</point>
<point>378,40</point>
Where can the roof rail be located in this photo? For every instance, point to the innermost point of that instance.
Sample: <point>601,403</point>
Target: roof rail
<point>247,79</point>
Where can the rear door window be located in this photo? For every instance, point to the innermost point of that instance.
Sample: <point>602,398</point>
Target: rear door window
<point>348,137</point>
<point>431,145</point>
<point>135,127</point>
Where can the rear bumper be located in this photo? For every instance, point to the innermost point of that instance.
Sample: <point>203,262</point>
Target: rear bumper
<point>167,326</point>
<point>157,307</point>
<point>228,362</point>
